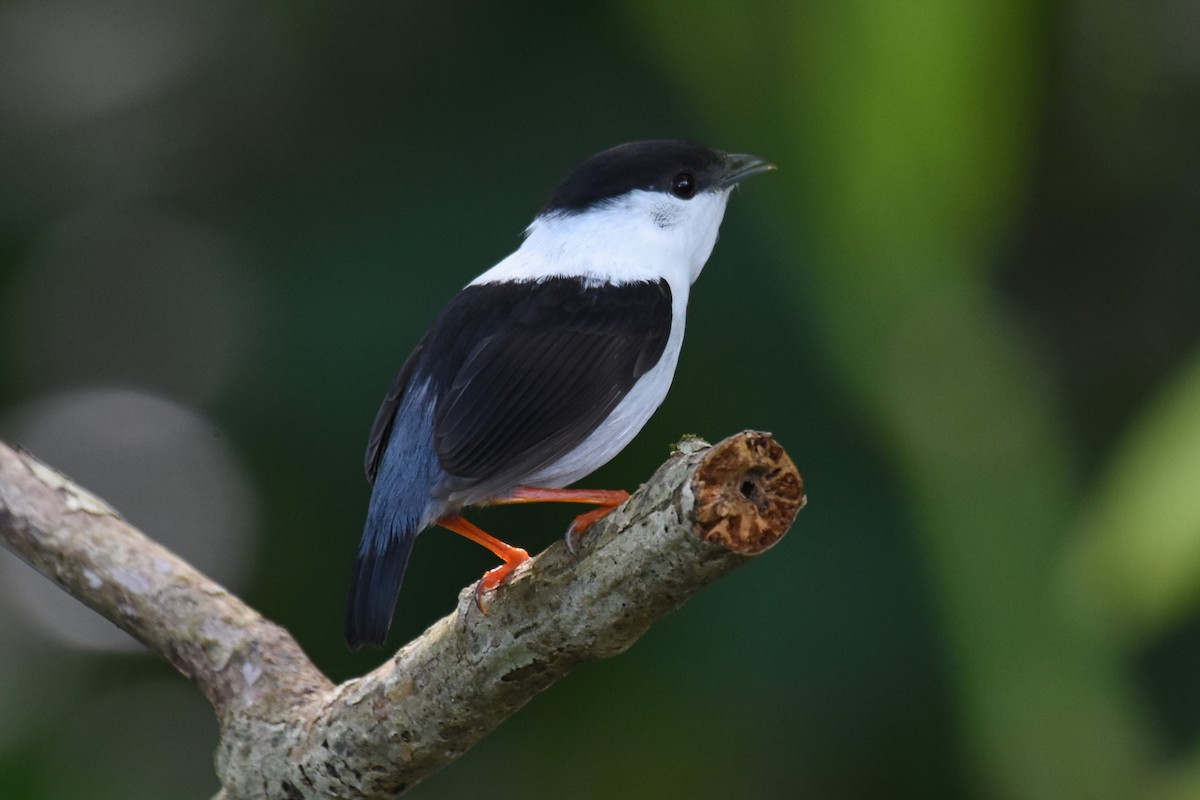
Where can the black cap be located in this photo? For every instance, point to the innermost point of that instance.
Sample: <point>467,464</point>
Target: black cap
<point>653,165</point>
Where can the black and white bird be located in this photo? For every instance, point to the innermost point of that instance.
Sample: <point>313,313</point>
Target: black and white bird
<point>544,367</point>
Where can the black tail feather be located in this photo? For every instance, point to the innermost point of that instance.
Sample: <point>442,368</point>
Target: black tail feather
<point>374,588</point>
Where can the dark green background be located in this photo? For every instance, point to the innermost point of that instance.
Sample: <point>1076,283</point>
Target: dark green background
<point>968,303</point>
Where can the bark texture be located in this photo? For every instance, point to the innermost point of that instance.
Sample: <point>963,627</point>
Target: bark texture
<point>288,732</point>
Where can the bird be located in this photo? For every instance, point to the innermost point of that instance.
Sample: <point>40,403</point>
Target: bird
<point>543,368</point>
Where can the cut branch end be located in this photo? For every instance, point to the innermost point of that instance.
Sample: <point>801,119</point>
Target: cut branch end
<point>747,492</point>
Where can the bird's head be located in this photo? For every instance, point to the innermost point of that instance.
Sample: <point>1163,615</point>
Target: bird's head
<point>640,208</point>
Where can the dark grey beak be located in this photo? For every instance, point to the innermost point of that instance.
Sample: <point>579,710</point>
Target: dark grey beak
<point>739,166</point>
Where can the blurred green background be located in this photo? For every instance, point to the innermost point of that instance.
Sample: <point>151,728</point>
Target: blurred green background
<point>968,304</point>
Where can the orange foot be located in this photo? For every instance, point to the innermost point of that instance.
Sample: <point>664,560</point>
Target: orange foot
<point>513,556</point>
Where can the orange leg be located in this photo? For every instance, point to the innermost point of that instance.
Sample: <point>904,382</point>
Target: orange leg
<point>607,499</point>
<point>513,557</point>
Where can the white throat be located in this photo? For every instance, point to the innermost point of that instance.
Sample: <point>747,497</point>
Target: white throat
<point>639,236</point>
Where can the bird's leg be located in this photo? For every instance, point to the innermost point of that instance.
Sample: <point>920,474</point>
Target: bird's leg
<point>606,499</point>
<point>513,557</point>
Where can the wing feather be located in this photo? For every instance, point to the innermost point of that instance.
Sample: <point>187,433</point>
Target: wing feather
<point>549,374</point>
<point>523,372</point>
<point>381,428</point>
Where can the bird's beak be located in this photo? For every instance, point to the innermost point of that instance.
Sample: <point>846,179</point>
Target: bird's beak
<point>739,166</point>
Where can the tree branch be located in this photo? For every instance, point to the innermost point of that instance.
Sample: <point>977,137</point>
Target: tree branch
<point>288,732</point>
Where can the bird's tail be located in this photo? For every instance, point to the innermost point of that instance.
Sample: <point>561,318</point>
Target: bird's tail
<point>402,505</point>
<point>375,586</point>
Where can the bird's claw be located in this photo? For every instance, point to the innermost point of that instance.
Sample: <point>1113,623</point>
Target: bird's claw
<point>479,590</point>
<point>573,538</point>
<point>583,523</point>
<point>494,578</point>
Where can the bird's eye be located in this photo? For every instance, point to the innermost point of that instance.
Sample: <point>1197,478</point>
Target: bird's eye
<point>683,185</point>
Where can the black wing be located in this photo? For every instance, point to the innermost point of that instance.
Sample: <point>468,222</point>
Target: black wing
<point>532,368</point>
